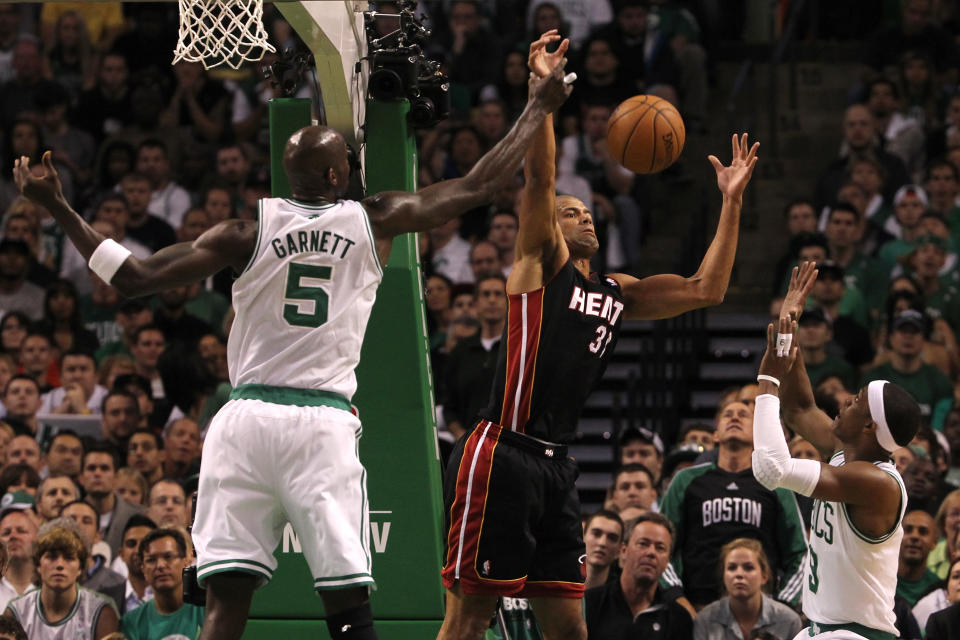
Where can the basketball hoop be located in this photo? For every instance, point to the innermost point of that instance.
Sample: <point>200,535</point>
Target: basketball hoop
<point>216,32</point>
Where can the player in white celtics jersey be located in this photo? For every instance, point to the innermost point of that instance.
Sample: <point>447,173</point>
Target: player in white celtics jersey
<point>284,448</point>
<point>859,498</point>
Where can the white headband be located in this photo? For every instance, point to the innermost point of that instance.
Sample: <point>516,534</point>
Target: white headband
<point>875,399</point>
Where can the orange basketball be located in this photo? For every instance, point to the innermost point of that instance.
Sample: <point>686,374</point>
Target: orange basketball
<point>645,134</point>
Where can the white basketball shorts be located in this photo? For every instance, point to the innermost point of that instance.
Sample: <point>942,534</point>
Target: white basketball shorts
<point>265,464</point>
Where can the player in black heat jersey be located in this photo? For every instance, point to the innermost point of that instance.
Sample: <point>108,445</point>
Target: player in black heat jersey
<point>512,508</point>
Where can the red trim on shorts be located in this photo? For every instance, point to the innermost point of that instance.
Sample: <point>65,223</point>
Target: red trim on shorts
<point>552,589</point>
<point>525,320</point>
<point>463,540</point>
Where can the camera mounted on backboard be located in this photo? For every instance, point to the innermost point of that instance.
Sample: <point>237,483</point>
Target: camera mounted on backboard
<point>399,68</point>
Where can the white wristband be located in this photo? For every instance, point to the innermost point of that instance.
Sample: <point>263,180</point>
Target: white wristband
<point>107,258</point>
<point>764,376</point>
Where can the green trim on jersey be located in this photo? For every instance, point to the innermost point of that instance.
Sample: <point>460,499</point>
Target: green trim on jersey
<point>256,248</point>
<point>896,525</point>
<point>290,396</point>
<point>311,205</point>
<point>373,241</point>
<point>816,628</point>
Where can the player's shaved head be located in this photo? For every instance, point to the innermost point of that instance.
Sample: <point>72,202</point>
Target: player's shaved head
<point>564,201</point>
<point>315,159</point>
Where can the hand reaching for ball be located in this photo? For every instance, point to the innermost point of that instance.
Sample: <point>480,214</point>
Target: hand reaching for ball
<point>542,63</point>
<point>733,180</point>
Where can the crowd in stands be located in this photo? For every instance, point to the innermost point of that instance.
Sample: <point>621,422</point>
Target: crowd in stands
<point>105,400</point>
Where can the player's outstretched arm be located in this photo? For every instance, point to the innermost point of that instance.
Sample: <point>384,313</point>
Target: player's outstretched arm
<point>229,243</point>
<point>669,295</point>
<point>799,410</point>
<point>395,212</point>
<point>540,248</point>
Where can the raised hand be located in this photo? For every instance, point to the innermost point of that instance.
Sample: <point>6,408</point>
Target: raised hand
<point>42,186</point>
<point>733,180</point>
<point>542,63</point>
<point>801,282</point>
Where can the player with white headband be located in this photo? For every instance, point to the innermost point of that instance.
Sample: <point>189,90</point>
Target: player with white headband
<point>859,498</point>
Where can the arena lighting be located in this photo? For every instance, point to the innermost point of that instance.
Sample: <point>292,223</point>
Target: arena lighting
<point>400,70</point>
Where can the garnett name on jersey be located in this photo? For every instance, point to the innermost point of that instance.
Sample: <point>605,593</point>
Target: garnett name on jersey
<point>314,241</point>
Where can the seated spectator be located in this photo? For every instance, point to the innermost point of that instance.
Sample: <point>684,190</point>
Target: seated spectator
<point>37,360</point>
<point>53,493</point>
<point>16,292</point>
<point>678,29</point>
<point>98,479</point>
<point>859,140</point>
<point>128,564</point>
<point>181,443</point>
<point>144,227</point>
<point>941,598</point>
<point>163,555</point>
<point>939,340</point>
<point>18,530</point>
<point>909,203</point>
<point>745,608</point>
<point>145,454</point>
<point>945,623</point>
<point>922,92</point>
<point>941,291</point>
<point>168,200</point>
<point>21,399</point>
<point>603,536</point>
<point>167,504</point>
<point>213,352</point>
<point>511,88</point>
<point>698,433</point>
<point>22,222</point>
<point>13,329</point>
<point>814,333</point>
<point>129,316</point>
<point>927,384</point>
<point>503,234</point>
<point>602,77</point>
<point>60,556</point>
<point>70,58</point>
<point>65,454</point>
<point>582,17</point>
<point>61,319</point>
<point>901,135</point>
<point>199,104</point>
<point>79,393</point>
<point>921,479</point>
<point>174,320</point>
<point>948,527</point>
<point>98,310</point>
<point>120,417</point>
<point>112,367</point>
<point>635,606</point>
<point>154,414</point>
<point>131,486</point>
<point>24,450</point>
<point>97,574</point>
<point>632,486</point>
<point>919,538</point>
<point>640,445</point>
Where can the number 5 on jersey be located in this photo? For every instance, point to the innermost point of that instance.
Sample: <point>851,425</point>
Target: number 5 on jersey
<point>300,291</point>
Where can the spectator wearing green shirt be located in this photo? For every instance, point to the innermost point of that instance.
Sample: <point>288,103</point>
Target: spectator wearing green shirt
<point>919,538</point>
<point>929,386</point>
<point>843,231</point>
<point>848,313</point>
<point>163,555</point>
<point>909,203</point>
<point>941,291</point>
<point>814,332</point>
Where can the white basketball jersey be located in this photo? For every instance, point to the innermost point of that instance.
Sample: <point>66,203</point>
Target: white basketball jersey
<point>78,625</point>
<point>303,301</point>
<point>849,576</point>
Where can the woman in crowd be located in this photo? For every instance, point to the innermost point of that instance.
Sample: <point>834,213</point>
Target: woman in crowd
<point>745,611</point>
<point>945,623</point>
<point>13,329</point>
<point>61,319</point>
<point>61,608</point>
<point>130,485</point>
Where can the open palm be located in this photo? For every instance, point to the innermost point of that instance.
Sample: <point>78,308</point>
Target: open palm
<point>542,63</point>
<point>733,179</point>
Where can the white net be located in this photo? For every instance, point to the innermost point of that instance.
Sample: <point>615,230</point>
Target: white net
<point>217,32</point>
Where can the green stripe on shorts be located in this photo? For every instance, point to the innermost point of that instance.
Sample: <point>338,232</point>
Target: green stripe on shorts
<point>290,396</point>
<point>867,632</point>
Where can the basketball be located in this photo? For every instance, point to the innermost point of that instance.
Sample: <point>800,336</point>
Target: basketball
<point>645,134</point>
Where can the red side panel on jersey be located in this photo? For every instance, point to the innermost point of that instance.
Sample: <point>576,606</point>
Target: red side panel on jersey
<point>524,320</point>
